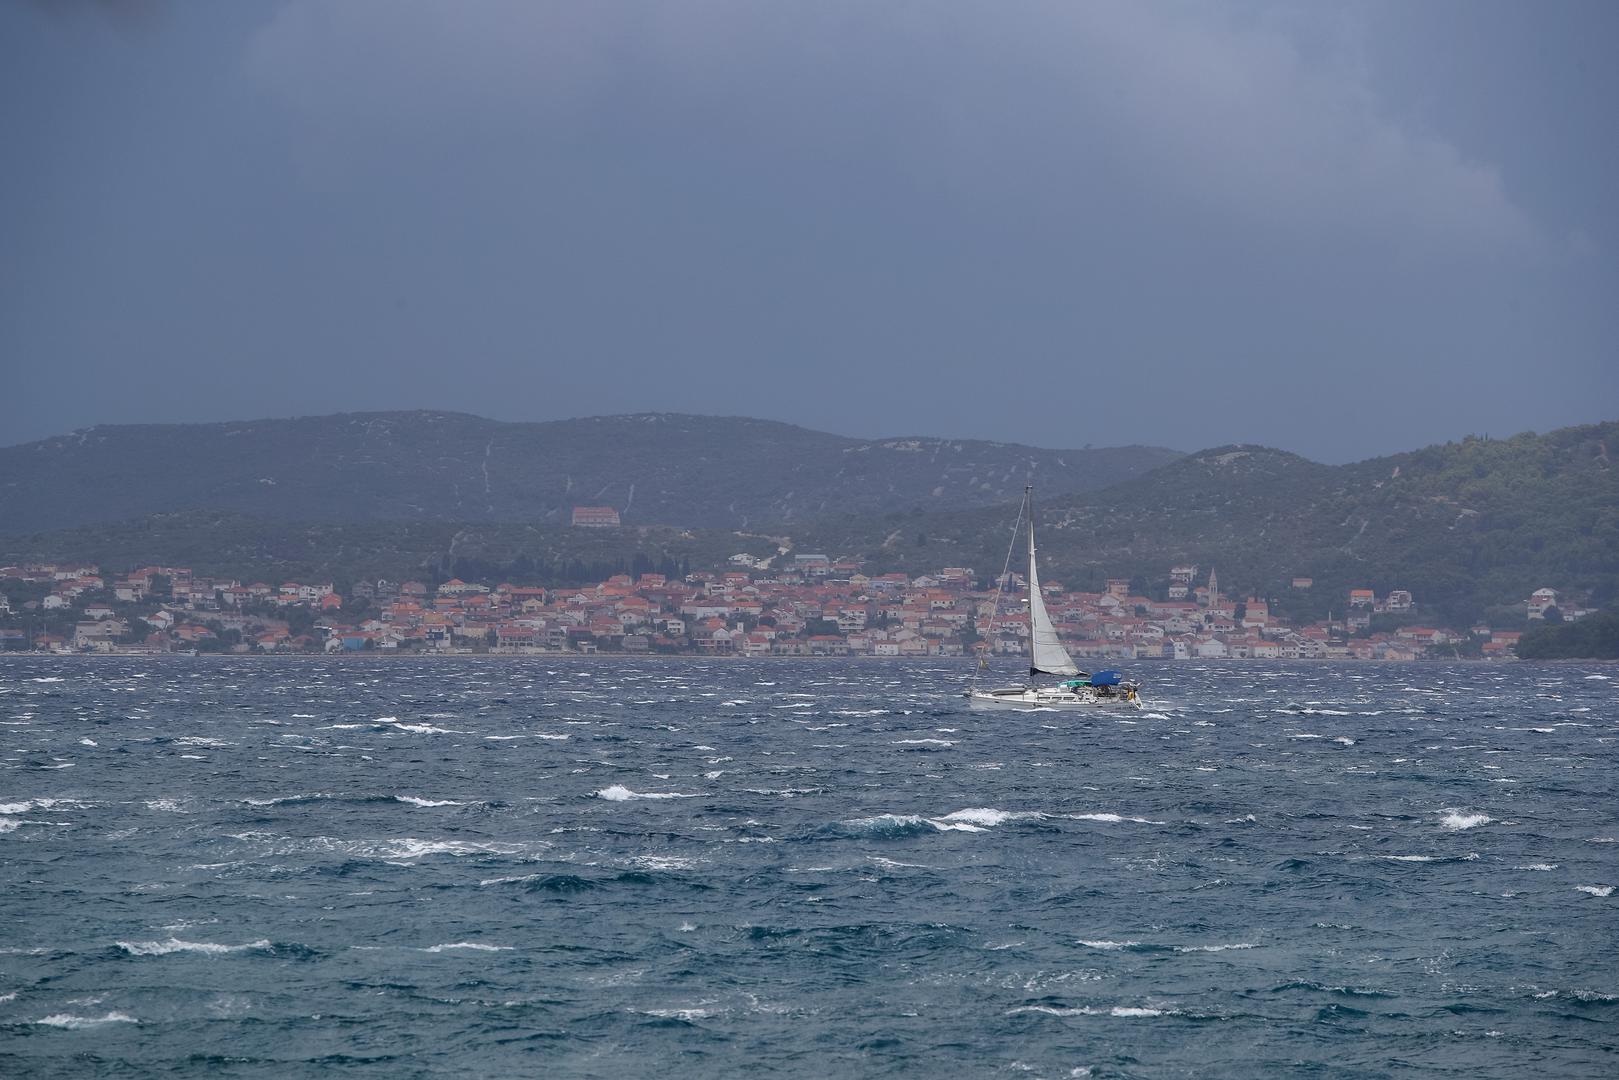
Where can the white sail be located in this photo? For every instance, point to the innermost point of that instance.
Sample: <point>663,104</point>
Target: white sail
<point>1046,652</point>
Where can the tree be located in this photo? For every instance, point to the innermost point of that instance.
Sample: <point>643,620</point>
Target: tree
<point>1595,637</point>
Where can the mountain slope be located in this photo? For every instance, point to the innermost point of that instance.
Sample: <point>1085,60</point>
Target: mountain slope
<point>431,466</point>
<point>226,544</point>
<point>1467,526</point>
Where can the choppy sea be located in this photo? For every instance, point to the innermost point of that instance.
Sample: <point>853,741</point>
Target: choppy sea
<point>498,867</point>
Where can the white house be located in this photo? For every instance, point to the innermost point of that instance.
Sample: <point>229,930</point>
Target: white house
<point>1540,600</point>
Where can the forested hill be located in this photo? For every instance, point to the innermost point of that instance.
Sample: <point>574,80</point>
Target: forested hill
<point>658,468</point>
<point>1468,526</point>
<point>1595,637</point>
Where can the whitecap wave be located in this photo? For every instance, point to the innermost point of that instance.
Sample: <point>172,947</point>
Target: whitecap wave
<point>902,824</point>
<point>414,801</point>
<point>1460,819</point>
<point>1129,1012</point>
<point>175,945</point>
<point>393,849</point>
<point>1109,818</point>
<point>411,848</point>
<point>470,946</point>
<point>660,862</point>
<point>1595,890</point>
<point>988,817</point>
<point>620,793</point>
<point>40,804</point>
<point>678,1014</point>
<point>973,819</point>
<point>1469,857</point>
<point>74,1023</point>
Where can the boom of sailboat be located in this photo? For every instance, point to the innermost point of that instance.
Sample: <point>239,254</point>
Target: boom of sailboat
<point>1048,656</point>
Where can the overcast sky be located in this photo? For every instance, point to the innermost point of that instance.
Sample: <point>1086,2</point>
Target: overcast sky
<point>1342,229</point>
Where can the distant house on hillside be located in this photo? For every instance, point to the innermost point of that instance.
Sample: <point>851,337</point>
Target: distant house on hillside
<point>1540,601</point>
<point>595,517</point>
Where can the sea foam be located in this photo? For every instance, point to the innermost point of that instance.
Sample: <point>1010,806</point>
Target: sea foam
<point>471,946</point>
<point>175,945</point>
<point>74,1023</point>
<point>1460,819</point>
<point>620,793</point>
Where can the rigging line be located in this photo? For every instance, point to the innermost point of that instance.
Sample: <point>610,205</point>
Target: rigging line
<point>1006,574</point>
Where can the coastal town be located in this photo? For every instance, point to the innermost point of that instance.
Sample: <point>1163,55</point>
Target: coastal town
<point>797,605</point>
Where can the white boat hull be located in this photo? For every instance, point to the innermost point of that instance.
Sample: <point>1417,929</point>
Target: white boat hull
<point>1031,698</point>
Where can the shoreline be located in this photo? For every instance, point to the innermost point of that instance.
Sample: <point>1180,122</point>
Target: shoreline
<point>617,657</point>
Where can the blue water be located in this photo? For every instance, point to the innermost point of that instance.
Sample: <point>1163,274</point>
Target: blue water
<point>404,868</point>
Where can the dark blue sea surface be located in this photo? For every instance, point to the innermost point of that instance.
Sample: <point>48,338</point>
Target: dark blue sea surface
<point>499,867</point>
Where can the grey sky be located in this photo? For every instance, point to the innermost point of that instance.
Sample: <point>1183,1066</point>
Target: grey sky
<point>1342,229</point>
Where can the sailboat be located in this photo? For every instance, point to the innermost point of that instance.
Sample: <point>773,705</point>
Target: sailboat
<point>1047,656</point>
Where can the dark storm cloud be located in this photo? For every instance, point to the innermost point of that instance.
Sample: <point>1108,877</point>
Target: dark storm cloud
<point>1052,222</point>
<point>125,14</point>
<point>1233,115</point>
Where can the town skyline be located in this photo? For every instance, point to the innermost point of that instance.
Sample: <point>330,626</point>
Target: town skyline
<point>810,605</point>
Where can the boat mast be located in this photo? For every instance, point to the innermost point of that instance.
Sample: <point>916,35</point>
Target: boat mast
<point>1006,576</point>
<point>1034,575</point>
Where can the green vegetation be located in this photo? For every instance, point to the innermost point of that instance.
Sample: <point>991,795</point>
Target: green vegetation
<point>1595,637</point>
<point>666,469</point>
<point>1467,527</point>
<point>252,549</point>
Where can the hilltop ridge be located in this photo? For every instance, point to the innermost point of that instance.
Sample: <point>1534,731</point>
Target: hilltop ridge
<point>654,468</point>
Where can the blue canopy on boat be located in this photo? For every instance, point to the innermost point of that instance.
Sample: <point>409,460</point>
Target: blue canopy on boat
<point>1106,678</point>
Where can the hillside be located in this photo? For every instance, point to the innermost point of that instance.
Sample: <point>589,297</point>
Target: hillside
<point>254,549</point>
<point>1470,527</point>
<point>1467,526</point>
<point>660,468</point>
<point>1595,637</point>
